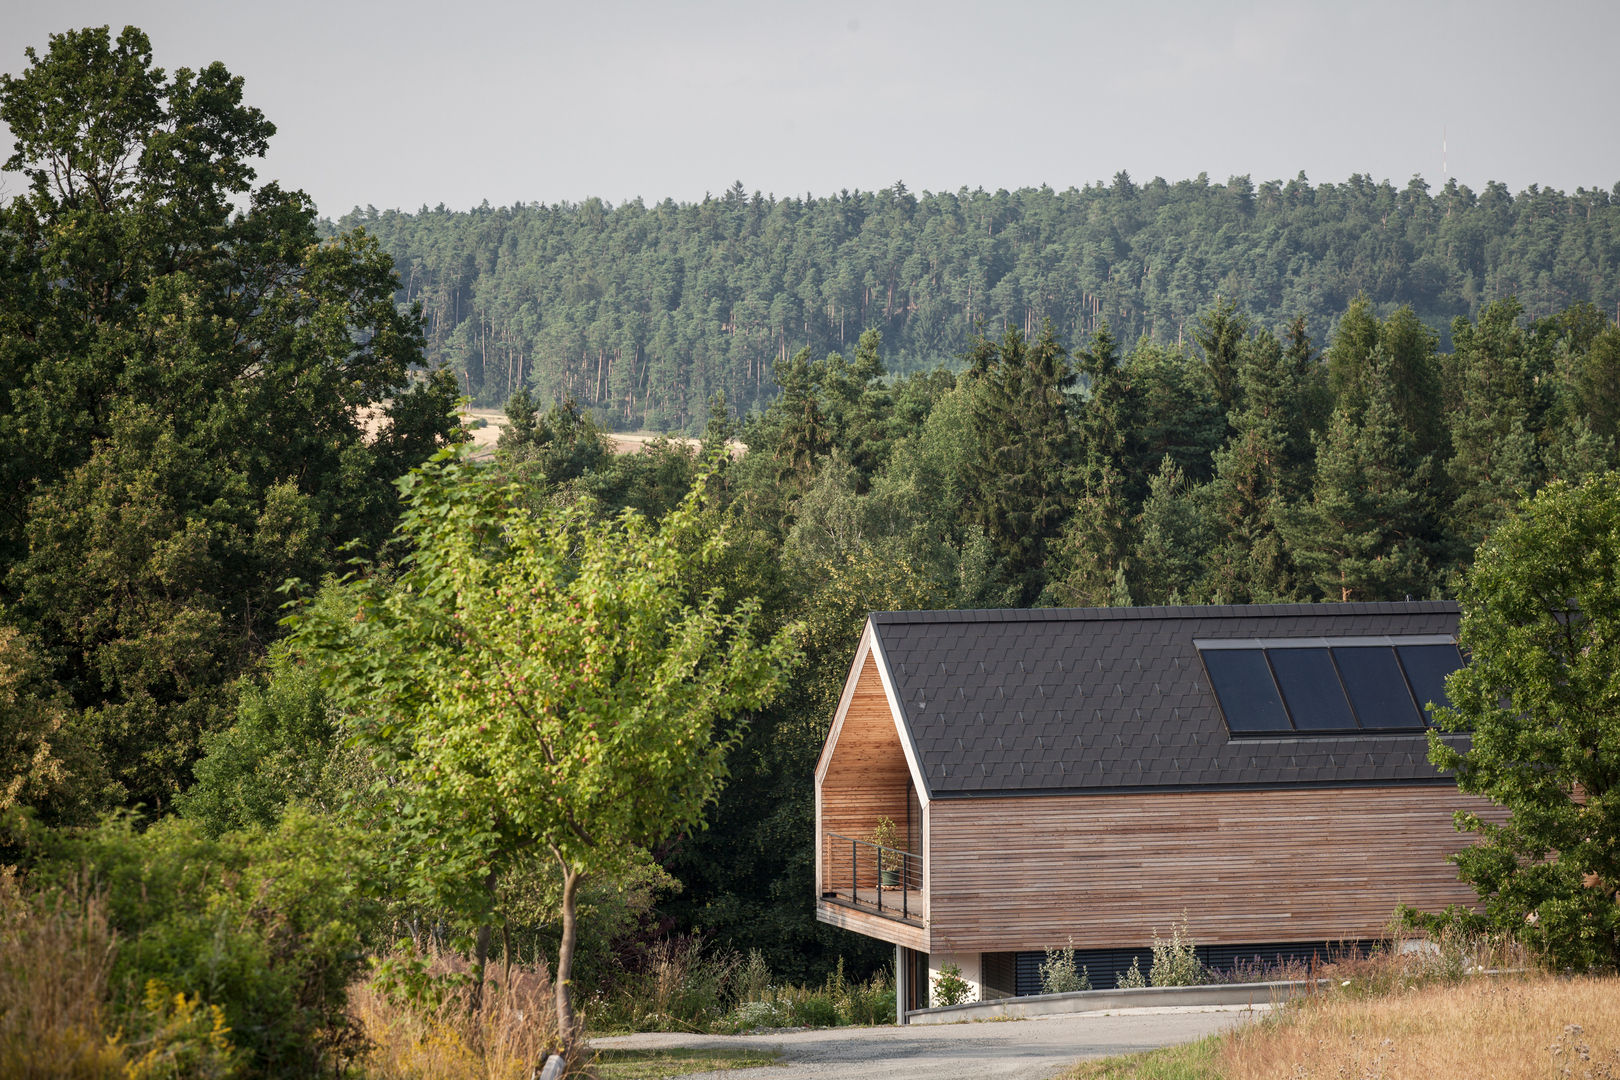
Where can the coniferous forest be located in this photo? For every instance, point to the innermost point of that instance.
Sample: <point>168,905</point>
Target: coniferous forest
<point>218,494</point>
<point>641,312</point>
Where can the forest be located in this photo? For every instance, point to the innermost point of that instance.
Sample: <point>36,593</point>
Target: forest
<point>234,517</point>
<point>641,312</point>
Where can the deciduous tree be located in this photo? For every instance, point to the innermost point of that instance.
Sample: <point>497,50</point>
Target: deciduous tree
<point>1540,700</point>
<point>541,684</point>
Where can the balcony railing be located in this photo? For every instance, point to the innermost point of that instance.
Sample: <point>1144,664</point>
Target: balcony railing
<point>885,879</point>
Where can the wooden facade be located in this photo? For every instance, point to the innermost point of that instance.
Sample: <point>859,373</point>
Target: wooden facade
<point>1108,871</point>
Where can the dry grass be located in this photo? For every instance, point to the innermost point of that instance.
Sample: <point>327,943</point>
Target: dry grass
<point>1482,1029</point>
<point>508,1039</point>
<point>55,957</point>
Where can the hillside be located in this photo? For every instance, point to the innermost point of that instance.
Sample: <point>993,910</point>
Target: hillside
<point>642,312</point>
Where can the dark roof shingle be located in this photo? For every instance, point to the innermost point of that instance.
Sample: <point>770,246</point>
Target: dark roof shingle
<point>1105,699</point>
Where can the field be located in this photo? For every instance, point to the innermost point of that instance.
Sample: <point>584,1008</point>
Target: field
<point>1482,1029</point>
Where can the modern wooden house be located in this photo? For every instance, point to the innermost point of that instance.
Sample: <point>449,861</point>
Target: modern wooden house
<point>1089,777</point>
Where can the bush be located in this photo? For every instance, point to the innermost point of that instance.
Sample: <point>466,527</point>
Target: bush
<point>814,1009</point>
<point>679,986</point>
<point>1133,979</point>
<point>1175,962</point>
<point>949,986</point>
<point>1059,975</point>
<point>263,925</point>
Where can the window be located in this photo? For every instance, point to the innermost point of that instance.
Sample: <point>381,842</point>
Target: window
<point>1328,685</point>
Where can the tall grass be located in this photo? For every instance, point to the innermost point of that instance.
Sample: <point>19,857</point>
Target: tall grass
<point>55,959</point>
<point>441,1037</point>
<point>683,985</point>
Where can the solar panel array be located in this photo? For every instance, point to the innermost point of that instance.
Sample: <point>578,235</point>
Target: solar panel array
<point>1328,686</point>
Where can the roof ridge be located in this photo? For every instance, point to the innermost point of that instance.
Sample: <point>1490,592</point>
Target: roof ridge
<point>1186,611</point>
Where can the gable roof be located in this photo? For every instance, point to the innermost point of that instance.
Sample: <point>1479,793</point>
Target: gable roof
<point>1053,701</point>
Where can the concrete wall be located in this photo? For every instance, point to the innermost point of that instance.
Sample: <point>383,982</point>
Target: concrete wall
<point>970,968</point>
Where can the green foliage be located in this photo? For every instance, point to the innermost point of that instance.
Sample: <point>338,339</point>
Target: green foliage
<point>263,926</point>
<point>283,748</point>
<point>1175,960</point>
<point>1366,530</point>
<point>1541,624</point>
<point>1133,979</point>
<point>1059,974</point>
<point>186,374</point>
<point>949,987</point>
<point>563,444</point>
<point>1019,491</point>
<point>543,682</point>
<point>44,763</point>
<point>651,308</point>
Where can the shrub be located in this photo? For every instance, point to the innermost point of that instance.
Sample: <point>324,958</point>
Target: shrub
<point>949,986</point>
<point>264,925</point>
<point>753,978</point>
<point>815,1009</point>
<point>178,1038</point>
<point>1059,975</point>
<point>871,1002</point>
<point>1133,979</point>
<point>1175,962</point>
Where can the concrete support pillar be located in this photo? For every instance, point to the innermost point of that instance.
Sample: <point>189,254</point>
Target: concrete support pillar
<point>902,980</point>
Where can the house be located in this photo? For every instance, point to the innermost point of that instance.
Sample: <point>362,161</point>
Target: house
<point>1091,776</point>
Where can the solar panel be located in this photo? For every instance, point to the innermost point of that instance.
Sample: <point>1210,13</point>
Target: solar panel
<point>1311,690</point>
<point>1426,669</point>
<point>1377,689</point>
<point>1243,687</point>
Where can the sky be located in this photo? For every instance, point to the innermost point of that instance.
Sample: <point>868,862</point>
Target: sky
<point>416,103</point>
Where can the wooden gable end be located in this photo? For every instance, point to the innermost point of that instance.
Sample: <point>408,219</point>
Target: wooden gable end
<point>864,774</point>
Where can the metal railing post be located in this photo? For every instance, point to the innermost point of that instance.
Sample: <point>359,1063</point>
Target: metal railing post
<point>877,850</point>
<point>854,876</point>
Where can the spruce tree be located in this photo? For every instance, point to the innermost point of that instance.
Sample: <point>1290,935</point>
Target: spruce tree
<point>1090,559</point>
<point>1499,399</point>
<point>1174,539</point>
<point>1018,472</point>
<point>1366,530</point>
<point>1261,467</point>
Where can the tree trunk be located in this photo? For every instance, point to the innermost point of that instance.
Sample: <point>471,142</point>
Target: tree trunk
<point>565,960</point>
<point>481,953</point>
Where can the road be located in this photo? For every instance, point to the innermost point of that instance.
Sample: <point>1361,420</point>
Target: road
<point>1033,1049</point>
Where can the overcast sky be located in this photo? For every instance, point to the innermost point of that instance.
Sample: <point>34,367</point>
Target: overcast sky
<point>414,102</point>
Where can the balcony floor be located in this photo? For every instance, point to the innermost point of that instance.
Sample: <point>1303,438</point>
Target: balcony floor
<point>866,899</point>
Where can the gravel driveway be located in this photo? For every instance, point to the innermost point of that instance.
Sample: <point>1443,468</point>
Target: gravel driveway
<point>1033,1049</point>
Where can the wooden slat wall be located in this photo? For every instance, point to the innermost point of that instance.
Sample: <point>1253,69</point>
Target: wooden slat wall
<point>866,778</point>
<point>1106,870</point>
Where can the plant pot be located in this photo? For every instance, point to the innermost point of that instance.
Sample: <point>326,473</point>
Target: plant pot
<point>889,878</point>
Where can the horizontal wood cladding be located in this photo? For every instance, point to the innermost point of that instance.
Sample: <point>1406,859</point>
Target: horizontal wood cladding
<point>1105,871</point>
<point>873,925</point>
<point>866,777</point>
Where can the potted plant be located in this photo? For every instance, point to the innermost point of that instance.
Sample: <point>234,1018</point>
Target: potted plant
<point>884,834</point>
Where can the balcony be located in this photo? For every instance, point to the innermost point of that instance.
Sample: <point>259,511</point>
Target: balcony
<point>870,877</point>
